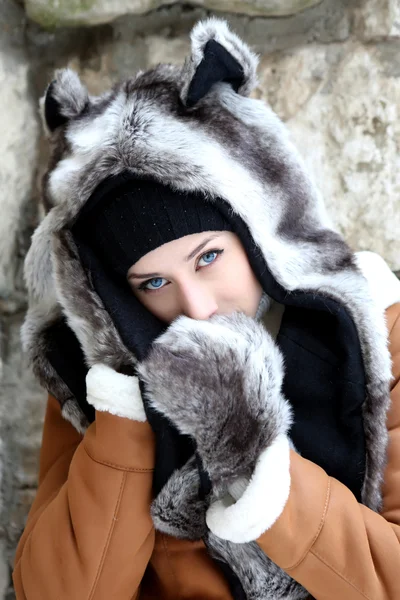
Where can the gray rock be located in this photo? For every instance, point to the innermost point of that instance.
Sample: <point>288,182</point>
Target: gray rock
<point>93,12</point>
<point>22,404</point>
<point>339,96</point>
<point>18,141</point>
<point>378,19</point>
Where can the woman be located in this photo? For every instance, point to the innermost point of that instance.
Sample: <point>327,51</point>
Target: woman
<point>235,437</point>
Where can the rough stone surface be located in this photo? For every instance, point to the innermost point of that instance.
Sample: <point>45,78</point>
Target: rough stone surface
<point>343,112</point>
<point>332,73</point>
<point>52,14</point>
<point>378,19</point>
<point>18,141</point>
<point>22,404</point>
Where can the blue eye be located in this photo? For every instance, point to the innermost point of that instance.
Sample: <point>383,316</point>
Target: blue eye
<point>156,283</point>
<point>210,256</point>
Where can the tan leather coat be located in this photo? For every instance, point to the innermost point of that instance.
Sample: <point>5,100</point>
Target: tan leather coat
<point>89,534</point>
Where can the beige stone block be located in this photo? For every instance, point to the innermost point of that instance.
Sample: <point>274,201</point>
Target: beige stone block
<point>93,12</point>
<point>343,112</point>
<point>378,19</point>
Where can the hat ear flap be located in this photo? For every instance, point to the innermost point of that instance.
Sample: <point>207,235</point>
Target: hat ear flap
<point>218,55</point>
<point>65,99</point>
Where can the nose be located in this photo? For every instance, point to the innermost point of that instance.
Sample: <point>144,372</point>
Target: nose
<point>197,301</point>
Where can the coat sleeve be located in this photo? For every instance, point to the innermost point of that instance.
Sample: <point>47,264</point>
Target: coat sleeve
<point>327,541</point>
<point>89,533</point>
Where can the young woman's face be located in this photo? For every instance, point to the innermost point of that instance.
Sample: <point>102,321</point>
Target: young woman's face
<point>197,275</point>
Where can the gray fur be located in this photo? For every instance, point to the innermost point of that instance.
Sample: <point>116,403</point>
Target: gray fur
<point>69,93</point>
<point>72,413</point>
<point>177,510</point>
<point>261,578</point>
<point>220,382</point>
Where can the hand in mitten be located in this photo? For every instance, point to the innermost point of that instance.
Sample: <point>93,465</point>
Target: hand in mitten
<point>220,382</point>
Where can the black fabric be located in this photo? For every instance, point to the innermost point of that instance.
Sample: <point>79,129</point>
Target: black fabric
<point>233,580</point>
<point>65,355</point>
<point>205,481</point>
<point>127,217</point>
<point>217,65</point>
<point>328,427</point>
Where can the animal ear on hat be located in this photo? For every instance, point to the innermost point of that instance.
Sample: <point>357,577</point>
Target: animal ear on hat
<point>218,55</point>
<point>65,98</point>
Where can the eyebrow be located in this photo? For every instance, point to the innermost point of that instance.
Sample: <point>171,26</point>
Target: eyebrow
<point>187,259</point>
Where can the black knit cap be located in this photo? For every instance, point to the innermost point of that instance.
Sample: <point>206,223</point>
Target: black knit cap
<point>126,217</point>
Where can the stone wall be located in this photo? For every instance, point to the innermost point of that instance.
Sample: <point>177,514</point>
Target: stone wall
<point>331,70</point>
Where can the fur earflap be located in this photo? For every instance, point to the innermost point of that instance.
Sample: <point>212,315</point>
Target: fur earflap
<point>217,55</point>
<point>65,98</point>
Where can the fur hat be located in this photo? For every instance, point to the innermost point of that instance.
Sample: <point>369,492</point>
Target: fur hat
<point>196,129</point>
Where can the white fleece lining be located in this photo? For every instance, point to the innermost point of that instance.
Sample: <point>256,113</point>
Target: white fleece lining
<point>113,392</point>
<point>383,283</point>
<point>261,503</point>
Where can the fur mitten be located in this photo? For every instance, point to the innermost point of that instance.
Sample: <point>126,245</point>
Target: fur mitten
<point>220,382</point>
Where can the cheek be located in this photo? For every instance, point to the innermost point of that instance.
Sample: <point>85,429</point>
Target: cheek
<point>242,288</point>
<point>163,306</point>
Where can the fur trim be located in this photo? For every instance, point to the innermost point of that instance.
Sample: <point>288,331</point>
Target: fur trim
<point>72,413</point>
<point>115,393</point>
<point>262,501</point>
<point>228,368</point>
<point>383,283</point>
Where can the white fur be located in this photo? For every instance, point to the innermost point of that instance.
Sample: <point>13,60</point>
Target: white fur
<point>38,271</point>
<point>218,29</point>
<point>70,93</point>
<point>262,502</point>
<point>383,283</point>
<point>115,393</point>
